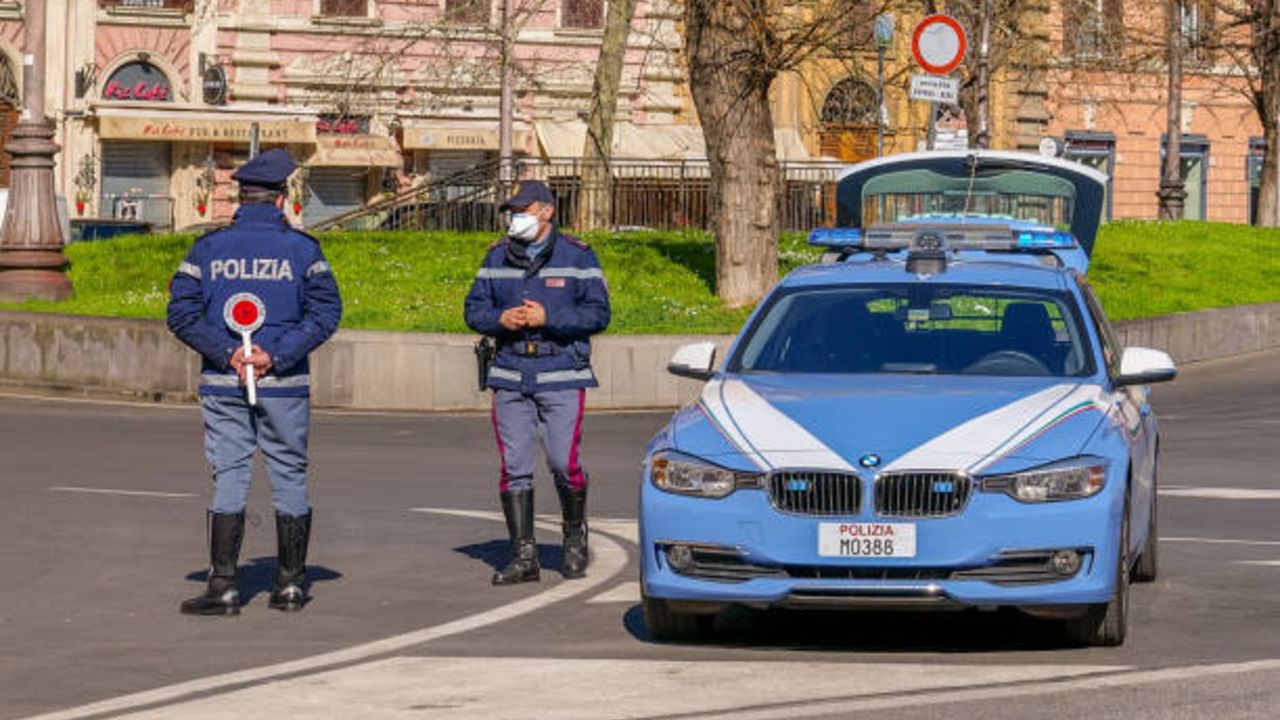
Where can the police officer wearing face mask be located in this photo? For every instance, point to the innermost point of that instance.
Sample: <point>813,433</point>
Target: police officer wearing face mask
<point>259,254</point>
<point>542,295</point>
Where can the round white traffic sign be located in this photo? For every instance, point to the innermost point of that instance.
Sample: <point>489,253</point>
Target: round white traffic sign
<point>938,44</point>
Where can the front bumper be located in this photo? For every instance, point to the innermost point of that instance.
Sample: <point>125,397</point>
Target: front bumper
<point>993,553</point>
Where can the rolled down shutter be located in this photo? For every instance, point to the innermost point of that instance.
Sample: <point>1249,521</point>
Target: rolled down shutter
<point>135,181</point>
<point>334,191</point>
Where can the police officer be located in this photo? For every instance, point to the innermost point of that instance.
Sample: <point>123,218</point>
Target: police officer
<point>258,253</point>
<point>542,295</point>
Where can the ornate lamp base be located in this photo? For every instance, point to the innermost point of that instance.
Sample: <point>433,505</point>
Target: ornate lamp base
<point>31,261</point>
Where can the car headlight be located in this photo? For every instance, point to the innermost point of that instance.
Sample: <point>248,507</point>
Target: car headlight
<point>686,475</point>
<point>1071,480</point>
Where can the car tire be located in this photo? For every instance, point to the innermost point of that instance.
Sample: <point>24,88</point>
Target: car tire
<point>1148,565</point>
<point>1106,624</point>
<point>667,625</point>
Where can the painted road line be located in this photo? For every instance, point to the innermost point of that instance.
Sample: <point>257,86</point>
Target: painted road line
<point>1221,541</point>
<point>1265,563</point>
<point>1222,493</point>
<point>610,558</point>
<point>624,593</point>
<point>110,491</point>
<point>518,688</point>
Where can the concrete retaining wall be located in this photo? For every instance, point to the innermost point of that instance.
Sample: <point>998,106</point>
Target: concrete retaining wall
<point>365,370</point>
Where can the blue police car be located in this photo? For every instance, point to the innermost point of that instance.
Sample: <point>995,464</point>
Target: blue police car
<point>936,416</point>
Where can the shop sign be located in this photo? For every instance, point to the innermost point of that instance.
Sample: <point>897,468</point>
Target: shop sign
<point>138,81</point>
<point>342,125</point>
<point>450,139</point>
<point>230,130</point>
<point>215,85</point>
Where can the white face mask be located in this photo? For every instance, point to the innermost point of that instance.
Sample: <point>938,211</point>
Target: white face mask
<point>524,227</point>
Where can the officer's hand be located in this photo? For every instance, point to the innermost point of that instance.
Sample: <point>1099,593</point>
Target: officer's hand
<point>237,361</point>
<point>513,318</point>
<point>535,315</point>
<point>261,361</point>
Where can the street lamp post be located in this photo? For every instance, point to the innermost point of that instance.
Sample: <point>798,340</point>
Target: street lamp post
<point>884,39</point>
<point>31,261</point>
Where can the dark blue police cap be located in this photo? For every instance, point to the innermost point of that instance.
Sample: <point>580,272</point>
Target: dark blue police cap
<point>268,171</point>
<point>528,192</point>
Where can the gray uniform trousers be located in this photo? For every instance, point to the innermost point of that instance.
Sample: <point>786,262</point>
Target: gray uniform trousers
<point>233,431</point>
<point>519,419</point>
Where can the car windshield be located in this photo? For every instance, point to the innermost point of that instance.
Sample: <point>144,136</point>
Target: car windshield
<point>933,329</point>
<point>998,193</point>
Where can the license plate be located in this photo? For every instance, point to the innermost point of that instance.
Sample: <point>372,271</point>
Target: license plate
<point>867,540</point>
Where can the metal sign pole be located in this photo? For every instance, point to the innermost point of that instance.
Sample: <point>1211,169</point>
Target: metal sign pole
<point>933,125</point>
<point>253,140</point>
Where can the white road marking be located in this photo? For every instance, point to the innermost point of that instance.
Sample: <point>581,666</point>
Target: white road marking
<point>609,558</point>
<point>466,688</point>
<point>1222,541</point>
<point>1266,563</point>
<point>1221,493</point>
<point>110,491</point>
<point>624,593</point>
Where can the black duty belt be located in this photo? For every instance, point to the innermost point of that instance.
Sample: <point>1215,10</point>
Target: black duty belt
<point>532,348</point>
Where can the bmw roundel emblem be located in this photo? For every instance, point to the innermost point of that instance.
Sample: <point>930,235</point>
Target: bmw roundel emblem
<point>869,460</point>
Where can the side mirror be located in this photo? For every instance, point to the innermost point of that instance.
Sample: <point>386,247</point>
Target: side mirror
<point>1143,366</point>
<point>695,360</point>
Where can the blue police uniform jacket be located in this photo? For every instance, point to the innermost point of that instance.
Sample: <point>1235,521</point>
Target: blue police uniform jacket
<point>258,253</point>
<point>567,280</point>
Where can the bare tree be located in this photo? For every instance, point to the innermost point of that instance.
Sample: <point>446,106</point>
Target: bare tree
<point>1172,192</point>
<point>595,205</point>
<point>736,49</point>
<point>1250,42</point>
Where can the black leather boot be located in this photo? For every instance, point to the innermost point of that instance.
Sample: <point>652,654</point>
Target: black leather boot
<point>518,507</point>
<point>292,535</point>
<point>573,508</point>
<point>221,597</point>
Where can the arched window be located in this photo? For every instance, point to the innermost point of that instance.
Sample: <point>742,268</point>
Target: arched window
<point>138,81</point>
<point>850,102</point>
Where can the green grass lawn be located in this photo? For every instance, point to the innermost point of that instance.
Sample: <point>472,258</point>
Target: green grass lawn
<point>662,282</point>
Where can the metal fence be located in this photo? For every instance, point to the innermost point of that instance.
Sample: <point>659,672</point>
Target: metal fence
<point>653,194</point>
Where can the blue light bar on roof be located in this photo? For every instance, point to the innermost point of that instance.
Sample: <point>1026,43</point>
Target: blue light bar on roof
<point>845,237</point>
<point>1044,239</point>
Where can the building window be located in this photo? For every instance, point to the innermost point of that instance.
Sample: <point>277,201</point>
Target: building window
<point>582,14</point>
<point>1195,174</point>
<point>184,5</point>
<point>467,12</point>
<point>1253,171</point>
<point>1092,29</point>
<point>1098,151</point>
<point>344,8</point>
<point>856,28</point>
<point>1197,28</point>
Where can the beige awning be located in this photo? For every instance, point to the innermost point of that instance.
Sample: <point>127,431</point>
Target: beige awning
<point>449,137</point>
<point>566,139</point>
<point>789,145</point>
<point>355,151</point>
<point>177,126</point>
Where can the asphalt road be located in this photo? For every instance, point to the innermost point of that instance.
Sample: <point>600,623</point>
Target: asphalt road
<point>101,535</point>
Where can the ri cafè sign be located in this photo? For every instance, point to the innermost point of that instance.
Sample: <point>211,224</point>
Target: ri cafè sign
<point>138,82</point>
<point>213,130</point>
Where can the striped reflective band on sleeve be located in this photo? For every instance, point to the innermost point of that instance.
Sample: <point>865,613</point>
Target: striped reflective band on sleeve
<point>270,381</point>
<point>317,267</point>
<point>563,376</point>
<point>194,271</point>
<point>500,273</point>
<point>504,374</point>
<point>569,272</point>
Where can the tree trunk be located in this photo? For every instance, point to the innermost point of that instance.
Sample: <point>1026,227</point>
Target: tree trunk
<point>595,202</point>
<point>730,86</point>
<point>1172,193</point>
<point>982,138</point>
<point>1268,57</point>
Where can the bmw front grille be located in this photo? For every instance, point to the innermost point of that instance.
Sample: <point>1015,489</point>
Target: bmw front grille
<point>815,492</point>
<point>922,494</point>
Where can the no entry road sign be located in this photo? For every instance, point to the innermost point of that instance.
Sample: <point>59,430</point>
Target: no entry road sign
<point>938,44</point>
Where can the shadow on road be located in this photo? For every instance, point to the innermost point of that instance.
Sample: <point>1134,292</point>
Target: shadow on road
<point>259,576</point>
<point>972,631</point>
<point>497,553</point>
